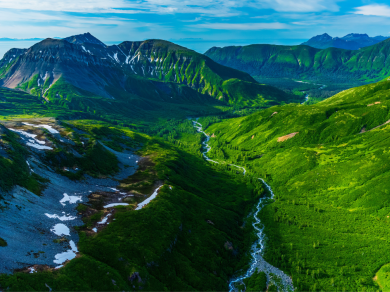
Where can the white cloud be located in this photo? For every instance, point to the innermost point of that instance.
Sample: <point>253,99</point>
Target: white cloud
<point>298,5</point>
<point>242,26</point>
<point>374,9</point>
<point>206,7</point>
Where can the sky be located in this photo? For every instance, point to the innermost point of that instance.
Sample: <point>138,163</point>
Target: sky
<point>197,24</point>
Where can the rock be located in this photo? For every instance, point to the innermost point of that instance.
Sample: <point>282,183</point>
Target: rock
<point>134,277</point>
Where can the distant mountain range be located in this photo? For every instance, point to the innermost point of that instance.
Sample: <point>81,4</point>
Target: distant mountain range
<point>352,41</point>
<point>15,40</point>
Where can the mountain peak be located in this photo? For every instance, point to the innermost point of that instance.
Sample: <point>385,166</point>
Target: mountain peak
<point>356,36</point>
<point>84,38</point>
<point>352,41</point>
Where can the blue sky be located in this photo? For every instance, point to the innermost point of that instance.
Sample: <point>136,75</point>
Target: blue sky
<point>198,24</point>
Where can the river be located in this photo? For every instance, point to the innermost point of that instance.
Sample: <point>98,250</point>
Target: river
<point>284,282</point>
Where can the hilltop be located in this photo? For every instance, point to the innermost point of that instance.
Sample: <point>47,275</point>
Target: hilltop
<point>352,41</point>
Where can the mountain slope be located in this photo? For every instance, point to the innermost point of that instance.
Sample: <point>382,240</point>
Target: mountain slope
<point>114,72</point>
<point>328,165</point>
<point>328,65</point>
<point>352,41</point>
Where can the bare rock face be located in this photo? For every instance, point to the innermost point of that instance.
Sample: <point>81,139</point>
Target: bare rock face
<point>10,56</point>
<point>52,59</point>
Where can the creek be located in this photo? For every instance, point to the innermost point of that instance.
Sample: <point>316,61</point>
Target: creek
<point>274,275</point>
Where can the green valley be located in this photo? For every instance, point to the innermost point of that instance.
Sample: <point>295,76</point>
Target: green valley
<point>282,66</point>
<point>148,166</point>
<point>328,165</point>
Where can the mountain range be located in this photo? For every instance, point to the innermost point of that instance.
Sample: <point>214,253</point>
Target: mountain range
<point>155,70</point>
<point>331,65</point>
<point>352,41</point>
<point>146,166</point>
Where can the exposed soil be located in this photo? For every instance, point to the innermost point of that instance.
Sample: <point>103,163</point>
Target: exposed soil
<point>289,136</point>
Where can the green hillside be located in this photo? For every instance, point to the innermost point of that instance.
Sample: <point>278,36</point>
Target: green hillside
<point>328,165</point>
<point>346,68</point>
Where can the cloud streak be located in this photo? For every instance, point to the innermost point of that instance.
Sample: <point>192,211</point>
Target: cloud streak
<point>374,9</point>
<point>241,26</point>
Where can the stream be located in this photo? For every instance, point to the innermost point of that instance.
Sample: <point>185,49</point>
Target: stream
<point>284,282</point>
<point>322,86</point>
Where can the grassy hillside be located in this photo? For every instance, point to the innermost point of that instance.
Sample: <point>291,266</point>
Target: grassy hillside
<point>328,164</point>
<point>330,66</point>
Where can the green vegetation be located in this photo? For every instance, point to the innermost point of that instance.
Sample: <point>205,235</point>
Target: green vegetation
<point>256,282</point>
<point>328,226</point>
<point>13,167</point>
<point>337,68</point>
<point>327,162</point>
<point>2,242</point>
<point>383,277</point>
<point>320,89</point>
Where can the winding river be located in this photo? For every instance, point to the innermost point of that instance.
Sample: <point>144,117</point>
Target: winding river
<point>284,282</point>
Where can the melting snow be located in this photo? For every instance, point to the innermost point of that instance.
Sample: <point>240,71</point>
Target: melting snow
<point>115,204</point>
<point>60,229</point>
<point>47,127</point>
<point>104,221</point>
<point>116,57</point>
<point>32,270</point>
<point>40,147</point>
<point>70,199</point>
<point>62,218</point>
<point>147,201</point>
<point>68,255</point>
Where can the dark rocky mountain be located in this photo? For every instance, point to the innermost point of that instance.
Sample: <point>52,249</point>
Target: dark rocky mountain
<point>10,56</point>
<point>111,71</point>
<point>46,62</point>
<point>352,41</point>
<point>85,38</point>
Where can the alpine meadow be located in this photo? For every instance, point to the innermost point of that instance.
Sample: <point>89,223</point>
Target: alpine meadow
<point>220,146</point>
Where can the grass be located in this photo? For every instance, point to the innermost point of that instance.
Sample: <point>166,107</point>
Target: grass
<point>328,225</point>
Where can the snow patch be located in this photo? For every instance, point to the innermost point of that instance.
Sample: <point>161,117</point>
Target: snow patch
<point>62,218</point>
<point>147,201</point>
<point>60,229</point>
<point>115,204</point>
<point>70,199</point>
